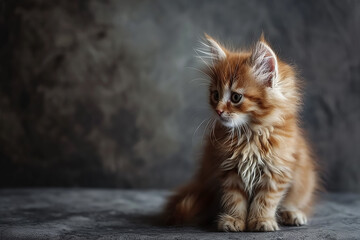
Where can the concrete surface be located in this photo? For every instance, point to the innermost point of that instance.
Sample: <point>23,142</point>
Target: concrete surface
<point>125,214</point>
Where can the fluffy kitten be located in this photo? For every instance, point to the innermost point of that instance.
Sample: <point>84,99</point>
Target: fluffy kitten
<point>256,168</point>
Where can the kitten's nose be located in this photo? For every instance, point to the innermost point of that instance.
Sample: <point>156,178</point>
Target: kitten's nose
<point>219,112</point>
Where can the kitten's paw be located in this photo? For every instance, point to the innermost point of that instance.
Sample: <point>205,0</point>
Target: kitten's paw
<point>228,223</point>
<point>263,225</point>
<point>293,218</point>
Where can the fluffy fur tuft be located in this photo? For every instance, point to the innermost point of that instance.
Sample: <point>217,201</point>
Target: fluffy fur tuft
<point>257,169</point>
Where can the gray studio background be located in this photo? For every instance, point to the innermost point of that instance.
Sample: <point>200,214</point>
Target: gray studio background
<point>104,94</point>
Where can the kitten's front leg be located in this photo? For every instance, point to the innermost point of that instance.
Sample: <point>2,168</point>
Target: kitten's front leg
<point>234,203</point>
<point>263,208</point>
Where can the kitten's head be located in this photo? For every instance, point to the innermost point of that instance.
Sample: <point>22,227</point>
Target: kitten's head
<point>244,85</point>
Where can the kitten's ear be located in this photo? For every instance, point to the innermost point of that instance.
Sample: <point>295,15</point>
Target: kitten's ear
<point>264,63</point>
<point>218,53</point>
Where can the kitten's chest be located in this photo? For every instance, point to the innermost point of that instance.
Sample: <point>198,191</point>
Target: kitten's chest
<point>250,168</point>
<point>250,165</point>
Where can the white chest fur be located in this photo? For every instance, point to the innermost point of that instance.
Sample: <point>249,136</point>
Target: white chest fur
<point>250,164</point>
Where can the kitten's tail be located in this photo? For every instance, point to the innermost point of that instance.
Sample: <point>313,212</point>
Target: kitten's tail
<point>192,204</point>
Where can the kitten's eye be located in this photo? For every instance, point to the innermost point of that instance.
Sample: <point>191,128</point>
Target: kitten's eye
<point>236,97</point>
<point>215,96</point>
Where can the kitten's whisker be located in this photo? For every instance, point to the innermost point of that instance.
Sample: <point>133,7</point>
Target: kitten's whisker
<point>212,138</point>
<point>213,130</point>
<point>207,125</point>
<point>208,128</point>
<point>199,126</point>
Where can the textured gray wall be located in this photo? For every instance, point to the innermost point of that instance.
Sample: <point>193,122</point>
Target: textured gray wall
<point>101,93</point>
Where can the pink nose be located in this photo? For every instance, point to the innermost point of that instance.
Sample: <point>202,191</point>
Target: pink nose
<point>219,112</point>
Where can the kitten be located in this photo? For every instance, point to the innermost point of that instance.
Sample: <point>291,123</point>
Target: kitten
<point>257,167</point>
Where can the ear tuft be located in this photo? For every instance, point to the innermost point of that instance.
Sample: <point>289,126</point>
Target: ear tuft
<point>262,37</point>
<point>264,63</point>
<point>217,52</point>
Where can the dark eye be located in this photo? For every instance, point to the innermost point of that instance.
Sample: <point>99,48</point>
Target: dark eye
<point>236,97</point>
<point>215,96</point>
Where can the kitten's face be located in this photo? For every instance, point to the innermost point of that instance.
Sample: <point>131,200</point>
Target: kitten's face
<point>234,94</point>
<point>226,101</point>
<point>240,83</point>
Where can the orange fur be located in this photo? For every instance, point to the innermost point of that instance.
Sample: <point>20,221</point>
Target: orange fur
<point>257,164</point>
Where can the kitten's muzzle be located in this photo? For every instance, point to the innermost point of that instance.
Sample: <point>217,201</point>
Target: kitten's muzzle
<point>219,112</point>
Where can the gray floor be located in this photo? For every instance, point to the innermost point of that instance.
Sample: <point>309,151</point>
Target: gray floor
<point>119,214</point>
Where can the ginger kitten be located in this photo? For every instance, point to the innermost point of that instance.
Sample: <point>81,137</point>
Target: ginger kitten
<point>257,168</point>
